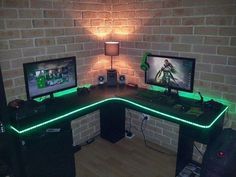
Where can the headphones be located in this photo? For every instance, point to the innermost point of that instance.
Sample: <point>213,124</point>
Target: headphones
<point>144,65</point>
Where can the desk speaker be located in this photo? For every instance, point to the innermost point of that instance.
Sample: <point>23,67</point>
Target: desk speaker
<point>101,80</point>
<point>121,80</point>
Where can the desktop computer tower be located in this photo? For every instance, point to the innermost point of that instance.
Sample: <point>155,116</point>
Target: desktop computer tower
<point>220,158</point>
<point>48,153</point>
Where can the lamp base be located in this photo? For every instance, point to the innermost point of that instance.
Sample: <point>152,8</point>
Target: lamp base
<point>111,77</point>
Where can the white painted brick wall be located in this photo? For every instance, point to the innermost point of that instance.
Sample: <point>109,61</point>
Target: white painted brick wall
<point>85,127</point>
<point>159,131</point>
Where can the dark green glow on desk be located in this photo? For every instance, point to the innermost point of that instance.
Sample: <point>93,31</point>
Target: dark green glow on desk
<point>64,92</point>
<point>64,116</point>
<point>191,95</point>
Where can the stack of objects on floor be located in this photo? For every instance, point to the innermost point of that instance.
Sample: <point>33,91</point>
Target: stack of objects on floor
<point>190,170</point>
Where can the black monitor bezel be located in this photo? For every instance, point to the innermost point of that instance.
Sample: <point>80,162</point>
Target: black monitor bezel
<point>176,88</point>
<point>25,65</point>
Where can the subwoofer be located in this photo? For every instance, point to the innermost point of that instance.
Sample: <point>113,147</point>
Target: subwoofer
<point>111,77</point>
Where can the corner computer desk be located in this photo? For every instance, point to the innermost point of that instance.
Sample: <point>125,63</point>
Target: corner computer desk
<point>112,103</point>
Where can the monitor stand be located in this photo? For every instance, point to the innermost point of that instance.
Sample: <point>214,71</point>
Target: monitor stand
<point>51,100</point>
<point>170,93</point>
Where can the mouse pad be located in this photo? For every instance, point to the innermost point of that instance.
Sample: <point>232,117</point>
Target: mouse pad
<point>196,111</point>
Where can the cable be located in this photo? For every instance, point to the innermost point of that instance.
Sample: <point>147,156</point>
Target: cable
<point>90,140</point>
<point>144,136</point>
<point>197,149</point>
<point>146,142</point>
<point>202,99</point>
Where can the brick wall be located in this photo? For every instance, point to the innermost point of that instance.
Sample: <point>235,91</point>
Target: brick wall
<point>85,127</point>
<point>158,131</point>
<point>33,30</point>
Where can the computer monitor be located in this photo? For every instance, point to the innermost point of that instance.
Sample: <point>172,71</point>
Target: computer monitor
<point>170,72</point>
<point>47,77</point>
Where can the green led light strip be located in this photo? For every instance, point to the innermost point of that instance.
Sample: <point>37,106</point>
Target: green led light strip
<point>177,118</point>
<point>123,100</point>
<point>58,118</point>
<point>62,93</point>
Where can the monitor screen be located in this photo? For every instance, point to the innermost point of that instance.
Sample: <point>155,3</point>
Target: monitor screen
<point>170,72</point>
<point>46,77</point>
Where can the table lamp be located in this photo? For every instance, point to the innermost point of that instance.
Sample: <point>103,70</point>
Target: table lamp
<point>111,49</point>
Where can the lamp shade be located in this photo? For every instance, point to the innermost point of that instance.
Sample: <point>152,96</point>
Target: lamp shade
<point>111,48</point>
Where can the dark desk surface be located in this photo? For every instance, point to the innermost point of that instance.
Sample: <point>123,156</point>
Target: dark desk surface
<point>72,106</point>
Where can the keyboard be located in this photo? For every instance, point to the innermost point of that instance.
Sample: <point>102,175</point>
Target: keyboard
<point>148,94</point>
<point>156,97</point>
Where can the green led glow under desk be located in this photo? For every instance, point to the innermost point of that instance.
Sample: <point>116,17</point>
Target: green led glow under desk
<point>202,129</point>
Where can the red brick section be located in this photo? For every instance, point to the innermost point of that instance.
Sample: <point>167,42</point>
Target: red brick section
<point>40,30</point>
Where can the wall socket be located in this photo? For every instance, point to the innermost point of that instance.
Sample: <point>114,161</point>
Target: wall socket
<point>145,115</point>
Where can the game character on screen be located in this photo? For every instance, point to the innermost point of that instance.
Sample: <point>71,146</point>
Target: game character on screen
<point>165,74</point>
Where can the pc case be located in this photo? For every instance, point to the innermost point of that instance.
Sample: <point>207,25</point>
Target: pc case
<point>47,153</point>
<point>220,157</point>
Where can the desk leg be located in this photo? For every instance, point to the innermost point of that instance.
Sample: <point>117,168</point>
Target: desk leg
<point>185,150</point>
